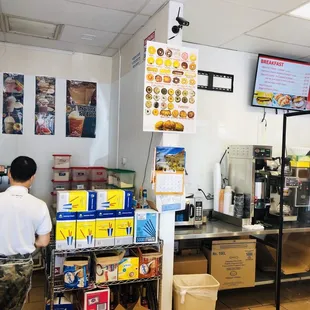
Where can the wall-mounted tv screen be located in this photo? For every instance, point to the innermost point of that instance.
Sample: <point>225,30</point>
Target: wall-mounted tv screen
<point>282,84</point>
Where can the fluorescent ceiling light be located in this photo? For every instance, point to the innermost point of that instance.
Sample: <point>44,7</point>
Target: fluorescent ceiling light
<point>34,28</point>
<point>302,12</point>
<point>89,37</point>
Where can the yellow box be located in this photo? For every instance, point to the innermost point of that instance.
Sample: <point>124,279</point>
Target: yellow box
<point>85,229</point>
<point>300,164</point>
<point>65,230</point>
<point>110,199</point>
<point>105,228</point>
<point>128,268</point>
<point>72,201</point>
<point>124,224</point>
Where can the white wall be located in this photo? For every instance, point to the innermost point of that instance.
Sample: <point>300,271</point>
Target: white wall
<point>223,119</point>
<point>62,65</point>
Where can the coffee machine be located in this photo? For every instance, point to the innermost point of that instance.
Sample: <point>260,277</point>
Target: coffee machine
<point>248,176</point>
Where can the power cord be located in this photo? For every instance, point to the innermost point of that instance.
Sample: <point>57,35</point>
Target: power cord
<point>148,157</point>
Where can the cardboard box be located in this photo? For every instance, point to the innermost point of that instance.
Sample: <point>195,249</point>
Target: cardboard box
<point>190,264</point>
<point>85,229</point>
<point>65,230</point>
<point>59,263</point>
<point>149,261</point>
<point>92,200</point>
<point>128,200</point>
<point>105,228</point>
<point>72,201</point>
<point>110,199</point>
<point>146,226</point>
<point>95,300</point>
<point>76,272</point>
<point>232,262</point>
<point>124,227</point>
<point>295,256</point>
<point>106,266</point>
<point>128,268</point>
<point>60,303</point>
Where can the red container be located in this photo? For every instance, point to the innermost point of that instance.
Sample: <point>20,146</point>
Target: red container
<point>79,185</point>
<point>97,174</point>
<point>79,174</point>
<point>61,185</point>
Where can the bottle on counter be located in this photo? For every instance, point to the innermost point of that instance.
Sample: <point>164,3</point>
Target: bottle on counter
<point>227,199</point>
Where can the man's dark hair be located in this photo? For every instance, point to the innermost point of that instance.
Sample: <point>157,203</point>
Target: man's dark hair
<point>23,168</point>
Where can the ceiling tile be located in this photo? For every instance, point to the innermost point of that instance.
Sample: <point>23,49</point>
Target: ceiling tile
<point>109,52</point>
<point>214,22</point>
<point>153,6</point>
<point>121,5</point>
<point>68,13</point>
<point>280,6</point>
<point>120,40</point>
<point>136,24</point>
<point>53,44</point>
<point>74,34</point>
<point>285,29</point>
<point>255,45</point>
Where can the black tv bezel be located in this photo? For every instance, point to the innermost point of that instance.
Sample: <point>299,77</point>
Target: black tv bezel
<point>253,92</point>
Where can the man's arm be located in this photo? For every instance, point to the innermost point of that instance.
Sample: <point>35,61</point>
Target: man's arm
<point>42,240</point>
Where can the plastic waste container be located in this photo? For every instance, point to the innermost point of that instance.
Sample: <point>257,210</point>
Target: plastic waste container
<point>195,291</point>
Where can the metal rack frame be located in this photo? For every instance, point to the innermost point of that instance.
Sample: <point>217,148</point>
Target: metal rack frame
<point>56,283</point>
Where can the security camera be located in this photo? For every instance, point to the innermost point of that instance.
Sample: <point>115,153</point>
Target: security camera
<point>182,21</point>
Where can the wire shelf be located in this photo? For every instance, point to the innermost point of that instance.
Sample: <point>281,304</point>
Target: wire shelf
<point>106,248</point>
<point>59,284</point>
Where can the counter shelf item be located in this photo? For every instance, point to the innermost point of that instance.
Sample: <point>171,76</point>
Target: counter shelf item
<point>61,174</point>
<point>79,185</point>
<point>121,178</point>
<point>62,160</point>
<point>97,174</point>
<point>61,185</point>
<point>93,185</point>
<point>79,174</point>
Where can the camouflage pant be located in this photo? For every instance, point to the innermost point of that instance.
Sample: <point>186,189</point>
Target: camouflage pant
<point>15,281</point>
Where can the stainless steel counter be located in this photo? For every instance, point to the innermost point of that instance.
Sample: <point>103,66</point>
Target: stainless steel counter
<point>221,229</point>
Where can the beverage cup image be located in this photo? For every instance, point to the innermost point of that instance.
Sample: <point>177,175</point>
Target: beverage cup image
<point>9,122</point>
<point>76,124</point>
<point>128,230</point>
<point>110,232</point>
<point>10,104</point>
<point>89,239</point>
<point>69,240</point>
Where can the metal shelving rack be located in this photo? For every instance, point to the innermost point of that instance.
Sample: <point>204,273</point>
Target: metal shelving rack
<point>56,283</point>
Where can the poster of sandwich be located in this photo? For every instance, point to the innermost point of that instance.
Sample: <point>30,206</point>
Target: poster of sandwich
<point>45,106</point>
<point>81,109</point>
<point>170,88</point>
<point>13,103</point>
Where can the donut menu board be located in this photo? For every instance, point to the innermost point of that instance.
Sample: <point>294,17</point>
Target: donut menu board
<point>282,84</point>
<point>170,88</point>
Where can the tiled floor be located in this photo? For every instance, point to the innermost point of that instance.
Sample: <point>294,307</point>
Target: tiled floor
<point>294,296</point>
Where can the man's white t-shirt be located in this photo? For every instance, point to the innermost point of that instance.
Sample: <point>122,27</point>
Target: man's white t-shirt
<point>21,217</point>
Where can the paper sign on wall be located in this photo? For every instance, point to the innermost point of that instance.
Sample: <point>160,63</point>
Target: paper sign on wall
<point>81,109</point>
<point>170,88</point>
<point>45,106</point>
<point>13,103</point>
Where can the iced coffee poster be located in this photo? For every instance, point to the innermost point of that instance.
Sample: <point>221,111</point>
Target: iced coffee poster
<point>81,109</point>
<point>13,103</point>
<point>45,106</point>
<point>170,88</point>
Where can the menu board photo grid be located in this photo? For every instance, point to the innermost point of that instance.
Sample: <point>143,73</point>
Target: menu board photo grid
<point>282,84</point>
<point>170,88</point>
<point>13,103</point>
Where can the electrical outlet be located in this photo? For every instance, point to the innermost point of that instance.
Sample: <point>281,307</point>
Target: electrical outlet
<point>124,161</point>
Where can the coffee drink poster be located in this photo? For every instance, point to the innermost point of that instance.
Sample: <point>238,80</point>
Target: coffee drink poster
<point>81,109</point>
<point>13,103</point>
<point>45,106</point>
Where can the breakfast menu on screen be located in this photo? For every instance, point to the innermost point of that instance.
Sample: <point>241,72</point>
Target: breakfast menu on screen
<point>282,84</point>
